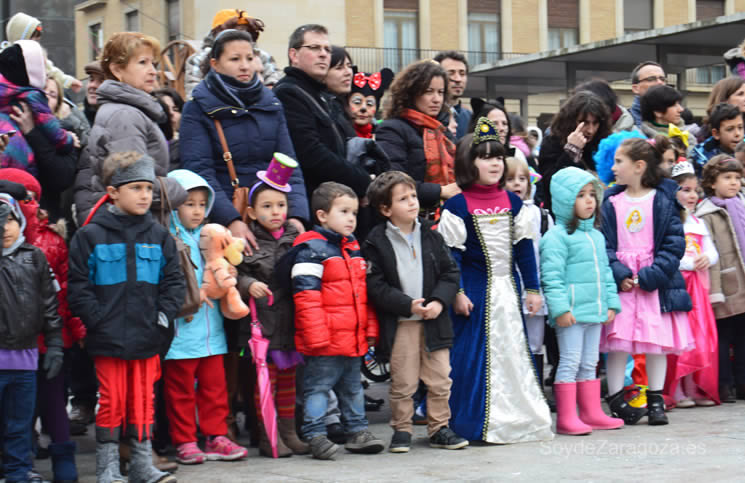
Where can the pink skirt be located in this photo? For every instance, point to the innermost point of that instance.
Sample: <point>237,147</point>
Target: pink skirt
<point>641,328</point>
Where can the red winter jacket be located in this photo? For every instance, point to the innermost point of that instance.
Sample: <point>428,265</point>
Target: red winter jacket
<point>332,317</point>
<point>43,236</point>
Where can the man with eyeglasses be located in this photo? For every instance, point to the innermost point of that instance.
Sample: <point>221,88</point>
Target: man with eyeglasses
<point>645,75</point>
<point>319,142</point>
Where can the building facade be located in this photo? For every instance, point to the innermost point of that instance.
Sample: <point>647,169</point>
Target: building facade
<point>393,33</point>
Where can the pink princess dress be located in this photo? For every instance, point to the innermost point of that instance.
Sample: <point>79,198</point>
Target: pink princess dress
<point>703,361</point>
<point>641,327</point>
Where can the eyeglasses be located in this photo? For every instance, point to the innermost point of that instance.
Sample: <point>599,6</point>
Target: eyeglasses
<point>316,49</point>
<point>654,78</point>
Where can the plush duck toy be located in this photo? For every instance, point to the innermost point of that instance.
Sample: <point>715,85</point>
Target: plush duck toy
<point>222,253</point>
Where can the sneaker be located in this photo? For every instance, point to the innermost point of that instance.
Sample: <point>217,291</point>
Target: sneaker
<point>335,432</point>
<point>685,403</point>
<point>322,448</point>
<point>446,438</point>
<point>400,442</point>
<point>190,454</point>
<point>364,442</point>
<point>220,448</point>
<point>82,414</point>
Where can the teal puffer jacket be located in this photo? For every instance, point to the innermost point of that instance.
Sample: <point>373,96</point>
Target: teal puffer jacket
<point>575,273</point>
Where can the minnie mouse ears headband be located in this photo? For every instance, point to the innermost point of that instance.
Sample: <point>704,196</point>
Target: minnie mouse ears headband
<point>374,84</point>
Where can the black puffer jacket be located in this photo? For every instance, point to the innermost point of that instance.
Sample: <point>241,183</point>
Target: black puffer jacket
<point>440,281</point>
<point>28,300</point>
<point>403,143</point>
<point>277,320</point>
<point>554,157</point>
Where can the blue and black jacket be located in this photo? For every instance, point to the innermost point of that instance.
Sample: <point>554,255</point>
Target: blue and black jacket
<point>123,271</point>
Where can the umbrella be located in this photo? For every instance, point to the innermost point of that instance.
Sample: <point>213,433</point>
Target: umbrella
<point>259,345</point>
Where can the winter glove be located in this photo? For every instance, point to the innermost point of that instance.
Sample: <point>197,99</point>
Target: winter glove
<point>53,361</point>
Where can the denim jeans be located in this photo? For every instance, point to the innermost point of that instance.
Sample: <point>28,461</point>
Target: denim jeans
<point>342,374</point>
<point>578,352</point>
<point>17,399</point>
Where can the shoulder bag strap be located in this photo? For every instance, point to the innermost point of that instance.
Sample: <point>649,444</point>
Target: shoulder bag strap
<point>339,138</point>
<point>165,205</point>
<point>226,156</point>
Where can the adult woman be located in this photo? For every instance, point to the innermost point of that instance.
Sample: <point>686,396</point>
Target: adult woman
<point>254,125</point>
<point>621,118</point>
<point>70,117</point>
<point>127,117</point>
<point>173,104</point>
<point>496,113</point>
<point>412,137</point>
<point>339,84</point>
<point>576,130</point>
<point>661,114</point>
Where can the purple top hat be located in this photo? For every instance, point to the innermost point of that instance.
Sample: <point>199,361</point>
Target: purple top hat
<point>277,174</point>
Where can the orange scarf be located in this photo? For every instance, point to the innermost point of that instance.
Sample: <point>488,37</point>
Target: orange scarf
<point>438,149</point>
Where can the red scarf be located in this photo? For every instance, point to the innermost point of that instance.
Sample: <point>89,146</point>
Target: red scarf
<point>363,131</point>
<point>438,149</point>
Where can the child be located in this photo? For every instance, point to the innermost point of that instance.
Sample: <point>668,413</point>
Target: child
<point>28,307</point>
<point>126,284</point>
<point>696,370</point>
<point>196,352</point>
<point>644,255</point>
<point>519,180</point>
<point>333,322</point>
<point>267,209</point>
<point>412,291</point>
<point>51,395</point>
<point>581,296</point>
<point>490,236</point>
<point>740,154</point>
<point>723,212</point>
<point>726,126</point>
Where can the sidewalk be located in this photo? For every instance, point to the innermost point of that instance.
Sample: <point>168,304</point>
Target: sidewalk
<point>699,444</point>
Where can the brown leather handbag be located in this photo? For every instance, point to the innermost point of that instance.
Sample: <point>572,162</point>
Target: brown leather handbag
<point>240,193</point>
<point>192,298</point>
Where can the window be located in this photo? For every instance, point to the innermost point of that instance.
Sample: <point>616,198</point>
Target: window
<point>709,9</point>
<point>637,15</point>
<point>173,18</point>
<point>132,21</point>
<point>710,75</point>
<point>484,31</point>
<point>95,40</point>
<point>563,23</point>
<point>400,38</point>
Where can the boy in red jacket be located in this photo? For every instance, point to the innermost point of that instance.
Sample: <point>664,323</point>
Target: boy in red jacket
<point>334,324</point>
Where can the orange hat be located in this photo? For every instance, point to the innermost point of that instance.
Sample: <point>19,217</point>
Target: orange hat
<point>224,15</point>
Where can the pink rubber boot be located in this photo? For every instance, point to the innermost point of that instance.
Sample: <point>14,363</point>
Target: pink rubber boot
<point>590,411</point>
<point>567,421</point>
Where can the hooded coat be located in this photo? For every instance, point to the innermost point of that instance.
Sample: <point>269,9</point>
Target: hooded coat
<point>127,120</point>
<point>575,274</point>
<point>669,247</point>
<point>203,335</point>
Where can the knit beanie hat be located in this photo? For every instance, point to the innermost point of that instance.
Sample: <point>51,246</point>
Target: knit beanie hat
<point>15,212</point>
<point>20,27</point>
<point>23,178</point>
<point>36,67</point>
<point>141,170</point>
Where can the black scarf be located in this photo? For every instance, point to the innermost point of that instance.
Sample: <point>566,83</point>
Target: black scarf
<point>232,91</point>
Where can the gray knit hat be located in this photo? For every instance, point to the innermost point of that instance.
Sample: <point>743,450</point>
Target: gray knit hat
<point>141,170</point>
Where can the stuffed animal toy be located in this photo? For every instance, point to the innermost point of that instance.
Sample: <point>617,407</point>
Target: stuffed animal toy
<point>222,253</point>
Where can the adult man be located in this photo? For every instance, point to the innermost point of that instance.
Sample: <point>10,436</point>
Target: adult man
<point>319,143</point>
<point>645,75</point>
<point>456,66</point>
<point>95,78</point>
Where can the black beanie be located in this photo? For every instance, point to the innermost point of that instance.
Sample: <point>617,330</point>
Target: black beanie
<point>13,66</point>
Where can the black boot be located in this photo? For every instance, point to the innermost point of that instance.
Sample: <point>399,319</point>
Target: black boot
<point>621,409</point>
<point>656,409</point>
<point>539,369</point>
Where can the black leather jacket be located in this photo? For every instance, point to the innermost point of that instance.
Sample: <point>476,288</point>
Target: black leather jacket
<point>28,300</point>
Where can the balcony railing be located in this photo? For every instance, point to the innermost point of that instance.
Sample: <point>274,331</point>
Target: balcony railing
<point>372,59</point>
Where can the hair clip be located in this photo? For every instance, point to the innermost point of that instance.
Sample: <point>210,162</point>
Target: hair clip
<point>652,142</point>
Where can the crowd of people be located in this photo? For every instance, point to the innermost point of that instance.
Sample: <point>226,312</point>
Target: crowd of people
<point>168,263</point>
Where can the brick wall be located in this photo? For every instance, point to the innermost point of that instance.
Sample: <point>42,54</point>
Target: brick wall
<point>360,26</point>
